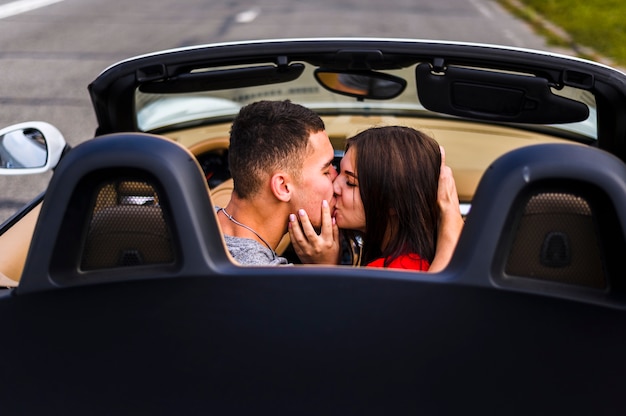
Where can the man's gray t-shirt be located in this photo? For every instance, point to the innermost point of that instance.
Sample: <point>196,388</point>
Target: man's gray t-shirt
<point>250,252</point>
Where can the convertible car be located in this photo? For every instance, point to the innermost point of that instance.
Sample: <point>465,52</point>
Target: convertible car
<point>119,296</point>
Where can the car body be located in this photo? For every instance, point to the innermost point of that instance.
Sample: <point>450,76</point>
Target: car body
<point>527,317</point>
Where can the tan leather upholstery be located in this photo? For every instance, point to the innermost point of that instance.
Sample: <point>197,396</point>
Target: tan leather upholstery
<point>14,245</point>
<point>220,195</point>
<point>209,145</point>
<point>6,282</point>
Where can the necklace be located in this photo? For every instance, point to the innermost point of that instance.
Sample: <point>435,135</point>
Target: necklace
<point>234,221</point>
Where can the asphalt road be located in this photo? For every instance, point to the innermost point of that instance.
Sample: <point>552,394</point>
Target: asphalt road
<point>50,50</point>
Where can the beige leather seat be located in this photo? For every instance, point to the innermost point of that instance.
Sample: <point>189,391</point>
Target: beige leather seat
<point>220,195</point>
<point>6,282</point>
<point>14,244</point>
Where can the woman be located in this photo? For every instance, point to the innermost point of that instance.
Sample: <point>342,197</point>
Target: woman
<point>395,190</point>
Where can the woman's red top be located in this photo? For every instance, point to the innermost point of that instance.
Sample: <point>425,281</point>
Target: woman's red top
<point>406,261</point>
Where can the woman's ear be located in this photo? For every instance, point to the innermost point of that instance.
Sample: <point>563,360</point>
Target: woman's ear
<point>281,186</point>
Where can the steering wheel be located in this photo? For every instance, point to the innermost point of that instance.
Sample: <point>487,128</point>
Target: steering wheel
<point>212,155</point>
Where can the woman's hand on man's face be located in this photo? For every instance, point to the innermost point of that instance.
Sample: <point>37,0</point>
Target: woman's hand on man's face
<point>311,247</point>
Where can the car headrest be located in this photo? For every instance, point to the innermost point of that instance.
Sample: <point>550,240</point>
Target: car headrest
<point>547,218</point>
<point>123,207</point>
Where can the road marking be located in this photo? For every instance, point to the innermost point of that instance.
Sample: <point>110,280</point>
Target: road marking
<point>515,40</point>
<point>247,16</point>
<point>23,6</point>
<point>482,9</point>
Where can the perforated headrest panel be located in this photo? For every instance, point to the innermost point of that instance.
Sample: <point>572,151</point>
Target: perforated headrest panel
<point>557,240</point>
<point>127,228</point>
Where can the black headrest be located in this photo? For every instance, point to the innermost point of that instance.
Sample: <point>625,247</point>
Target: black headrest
<point>557,174</point>
<point>140,170</point>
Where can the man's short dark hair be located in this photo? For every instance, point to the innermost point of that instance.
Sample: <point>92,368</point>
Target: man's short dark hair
<point>267,135</point>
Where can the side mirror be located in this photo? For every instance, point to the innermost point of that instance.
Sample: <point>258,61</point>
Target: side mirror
<point>30,147</point>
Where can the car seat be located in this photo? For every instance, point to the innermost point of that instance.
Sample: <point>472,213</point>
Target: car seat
<point>545,218</point>
<point>123,207</point>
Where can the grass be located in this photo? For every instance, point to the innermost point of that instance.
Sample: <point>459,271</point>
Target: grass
<point>591,26</point>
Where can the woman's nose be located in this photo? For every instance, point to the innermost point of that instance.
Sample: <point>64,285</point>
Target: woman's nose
<point>336,187</point>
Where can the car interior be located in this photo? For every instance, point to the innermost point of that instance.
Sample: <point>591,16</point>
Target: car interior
<point>477,105</point>
<point>470,148</point>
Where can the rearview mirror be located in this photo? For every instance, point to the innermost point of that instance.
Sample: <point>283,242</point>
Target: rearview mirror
<point>361,84</point>
<point>30,147</point>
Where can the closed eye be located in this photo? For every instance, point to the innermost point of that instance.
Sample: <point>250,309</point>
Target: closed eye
<point>351,179</point>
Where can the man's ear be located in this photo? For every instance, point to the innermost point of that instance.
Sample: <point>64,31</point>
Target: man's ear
<point>282,186</point>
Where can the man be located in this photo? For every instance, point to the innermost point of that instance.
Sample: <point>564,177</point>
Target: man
<point>281,161</point>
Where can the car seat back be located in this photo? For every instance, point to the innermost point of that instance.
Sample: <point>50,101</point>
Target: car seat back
<point>124,207</point>
<point>544,219</point>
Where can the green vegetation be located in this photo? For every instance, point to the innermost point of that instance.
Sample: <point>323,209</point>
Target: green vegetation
<point>599,25</point>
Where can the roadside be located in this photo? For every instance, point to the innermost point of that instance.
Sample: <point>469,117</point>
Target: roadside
<point>554,34</point>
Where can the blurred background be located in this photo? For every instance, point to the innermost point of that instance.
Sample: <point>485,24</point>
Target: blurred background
<point>50,50</point>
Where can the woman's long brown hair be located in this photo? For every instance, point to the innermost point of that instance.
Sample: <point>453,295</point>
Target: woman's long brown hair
<point>398,172</point>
